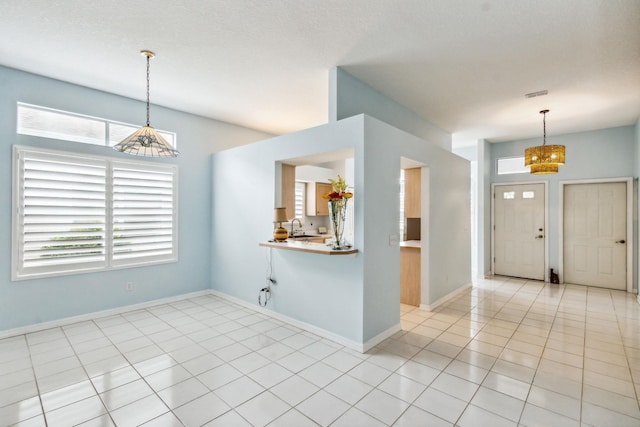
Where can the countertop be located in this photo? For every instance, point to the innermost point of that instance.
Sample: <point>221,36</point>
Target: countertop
<point>316,248</point>
<point>412,244</point>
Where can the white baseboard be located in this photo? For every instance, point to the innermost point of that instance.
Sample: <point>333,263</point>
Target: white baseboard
<point>369,344</point>
<point>96,314</point>
<point>444,299</point>
<point>354,345</point>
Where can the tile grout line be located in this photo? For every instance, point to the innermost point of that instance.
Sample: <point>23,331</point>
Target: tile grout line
<point>35,380</point>
<point>503,348</point>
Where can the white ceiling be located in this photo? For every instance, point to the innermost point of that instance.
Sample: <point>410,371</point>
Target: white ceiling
<point>464,65</point>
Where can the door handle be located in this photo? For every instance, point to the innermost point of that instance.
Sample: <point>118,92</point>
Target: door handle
<point>621,241</point>
<point>539,236</point>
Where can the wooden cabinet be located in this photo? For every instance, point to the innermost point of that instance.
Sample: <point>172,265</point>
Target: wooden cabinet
<point>289,190</point>
<point>412,189</point>
<point>410,276</point>
<point>316,205</point>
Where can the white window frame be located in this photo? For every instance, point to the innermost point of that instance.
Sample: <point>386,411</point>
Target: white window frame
<point>106,141</point>
<point>20,273</point>
<point>524,169</point>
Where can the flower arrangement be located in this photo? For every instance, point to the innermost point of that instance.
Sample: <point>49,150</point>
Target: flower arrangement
<point>339,188</point>
<point>338,198</point>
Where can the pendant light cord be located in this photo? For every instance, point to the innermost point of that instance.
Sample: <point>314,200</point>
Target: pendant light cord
<point>148,59</point>
<point>544,126</point>
<point>544,117</point>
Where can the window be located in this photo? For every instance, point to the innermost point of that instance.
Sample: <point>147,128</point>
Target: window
<point>528,194</point>
<point>55,124</point>
<point>508,195</point>
<point>300,194</point>
<point>75,214</point>
<point>509,165</point>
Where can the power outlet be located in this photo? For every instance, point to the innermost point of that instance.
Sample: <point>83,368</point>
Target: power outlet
<point>129,287</point>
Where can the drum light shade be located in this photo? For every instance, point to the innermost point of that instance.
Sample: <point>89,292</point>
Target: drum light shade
<point>544,159</point>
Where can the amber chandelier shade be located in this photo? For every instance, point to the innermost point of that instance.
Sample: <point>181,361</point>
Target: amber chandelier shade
<point>544,159</point>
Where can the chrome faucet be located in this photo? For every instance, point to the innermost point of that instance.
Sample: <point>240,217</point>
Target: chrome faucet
<point>299,223</point>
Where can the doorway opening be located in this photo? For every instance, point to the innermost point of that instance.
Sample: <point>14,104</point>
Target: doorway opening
<point>414,255</point>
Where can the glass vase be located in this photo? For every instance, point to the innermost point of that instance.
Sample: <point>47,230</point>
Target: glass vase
<point>337,214</point>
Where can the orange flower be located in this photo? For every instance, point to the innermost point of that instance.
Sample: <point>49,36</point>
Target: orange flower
<point>338,193</point>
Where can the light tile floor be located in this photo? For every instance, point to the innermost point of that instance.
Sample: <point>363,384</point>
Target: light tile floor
<point>507,352</point>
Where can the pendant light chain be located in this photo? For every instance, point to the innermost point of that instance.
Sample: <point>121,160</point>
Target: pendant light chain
<point>146,141</point>
<point>544,126</point>
<point>148,59</point>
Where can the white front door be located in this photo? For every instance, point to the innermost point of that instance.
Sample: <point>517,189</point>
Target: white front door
<point>595,231</point>
<point>519,230</point>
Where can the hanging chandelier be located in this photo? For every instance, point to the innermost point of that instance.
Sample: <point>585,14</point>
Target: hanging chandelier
<point>146,141</point>
<point>544,159</point>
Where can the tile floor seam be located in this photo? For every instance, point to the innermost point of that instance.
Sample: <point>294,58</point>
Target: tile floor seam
<point>454,358</point>
<point>86,373</point>
<point>35,379</point>
<point>142,377</point>
<point>537,368</point>
<point>626,354</point>
<point>498,357</point>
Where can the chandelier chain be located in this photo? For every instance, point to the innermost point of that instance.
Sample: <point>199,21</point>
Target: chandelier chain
<point>148,59</point>
<point>544,128</point>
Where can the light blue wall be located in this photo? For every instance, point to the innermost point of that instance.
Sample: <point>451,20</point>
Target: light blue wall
<point>324,291</point>
<point>484,208</point>
<point>349,96</point>
<point>355,297</point>
<point>446,238</point>
<point>32,301</point>
<point>605,153</point>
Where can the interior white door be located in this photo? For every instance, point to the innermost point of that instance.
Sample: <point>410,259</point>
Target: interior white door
<point>519,230</point>
<point>595,229</point>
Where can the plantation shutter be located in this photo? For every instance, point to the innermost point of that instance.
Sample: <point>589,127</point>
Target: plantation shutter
<point>301,187</point>
<point>144,218</point>
<point>63,213</point>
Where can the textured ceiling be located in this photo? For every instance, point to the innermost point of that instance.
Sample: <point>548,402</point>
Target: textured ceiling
<point>464,65</point>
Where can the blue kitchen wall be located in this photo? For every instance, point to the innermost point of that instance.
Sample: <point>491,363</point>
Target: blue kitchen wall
<point>29,302</point>
<point>604,153</point>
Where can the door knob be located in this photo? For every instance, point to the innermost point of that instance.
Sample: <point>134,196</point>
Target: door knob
<point>621,241</point>
<point>539,236</point>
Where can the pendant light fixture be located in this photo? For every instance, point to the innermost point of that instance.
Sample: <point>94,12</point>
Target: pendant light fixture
<point>544,159</point>
<point>146,141</point>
